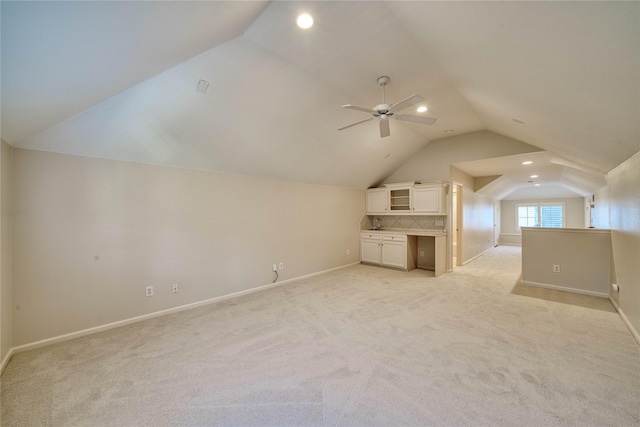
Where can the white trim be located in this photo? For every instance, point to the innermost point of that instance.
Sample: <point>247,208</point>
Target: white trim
<point>6,359</point>
<point>568,230</point>
<point>626,321</point>
<point>509,244</point>
<point>119,323</point>
<point>562,288</point>
<point>479,255</point>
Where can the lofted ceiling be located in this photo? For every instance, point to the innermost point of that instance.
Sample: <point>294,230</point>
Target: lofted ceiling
<point>118,80</point>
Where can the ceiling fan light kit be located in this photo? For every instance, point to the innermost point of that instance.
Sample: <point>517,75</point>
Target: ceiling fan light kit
<point>385,111</point>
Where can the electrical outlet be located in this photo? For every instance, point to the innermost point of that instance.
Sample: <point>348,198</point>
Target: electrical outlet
<point>348,251</point>
<point>174,288</point>
<point>148,291</point>
<point>274,268</point>
<point>421,253</point>
<point>556,268</point>
<point>281,266</point>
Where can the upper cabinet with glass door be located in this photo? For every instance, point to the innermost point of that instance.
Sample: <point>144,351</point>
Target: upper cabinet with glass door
<point>400,197</point>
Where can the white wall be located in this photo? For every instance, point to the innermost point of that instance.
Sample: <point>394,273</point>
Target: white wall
<point>600,210</point>
<point>6,324</point>
<point>509,231</point>
<point>623,184</point>
<point>91,234</point>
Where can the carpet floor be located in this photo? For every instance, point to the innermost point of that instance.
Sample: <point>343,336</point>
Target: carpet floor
<point>359,346</point>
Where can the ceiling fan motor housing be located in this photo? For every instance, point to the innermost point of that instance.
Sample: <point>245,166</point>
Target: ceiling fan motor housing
<point>382,109</point>
<point>383,80</point>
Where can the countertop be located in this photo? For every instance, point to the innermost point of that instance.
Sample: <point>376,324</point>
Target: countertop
<point>408,232</point>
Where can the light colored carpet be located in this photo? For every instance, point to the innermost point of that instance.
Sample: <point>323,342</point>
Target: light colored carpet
<point>358,346</point>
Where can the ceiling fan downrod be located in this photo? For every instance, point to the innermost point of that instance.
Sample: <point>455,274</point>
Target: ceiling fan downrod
<point>382,81</point>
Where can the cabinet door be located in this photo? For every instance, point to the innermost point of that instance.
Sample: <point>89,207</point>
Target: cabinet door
<point>377,201</point>
<point>370,251</point>
<point>427,200</point>
<point>394,254</point>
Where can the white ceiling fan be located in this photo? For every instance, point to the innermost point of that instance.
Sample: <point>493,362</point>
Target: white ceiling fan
<point>384,111</point>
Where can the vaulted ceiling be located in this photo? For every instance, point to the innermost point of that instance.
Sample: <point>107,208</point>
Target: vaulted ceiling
<point>118,80</point>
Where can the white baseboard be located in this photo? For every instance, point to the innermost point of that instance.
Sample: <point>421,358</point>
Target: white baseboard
<point>119,323</point>
<point>509,244</point>
<point>633,331</point>
<point>477,256</point>
<point>562,288</point>
<point>6,359</point>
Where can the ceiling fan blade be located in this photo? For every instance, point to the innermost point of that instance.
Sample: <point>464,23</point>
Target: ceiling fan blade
<point>356,123</point>
<point>415,119</point>
<point>407,102</point>
<point>355,107</point>
<point>384,128</point>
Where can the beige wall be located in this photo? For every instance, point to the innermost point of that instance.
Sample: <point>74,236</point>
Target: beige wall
<point>432,162</point>
<point>583,255</point>
<point>6,324</point>
<point>91,234</point>
<point>623,188</point>
<point>477,217</point>
<point>509,231</point>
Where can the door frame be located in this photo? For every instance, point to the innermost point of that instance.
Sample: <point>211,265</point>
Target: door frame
<point>496,223</point>
<point>455,220</point>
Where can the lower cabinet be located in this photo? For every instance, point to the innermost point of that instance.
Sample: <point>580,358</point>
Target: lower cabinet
<point>389,250</point>
<point>371,248</point>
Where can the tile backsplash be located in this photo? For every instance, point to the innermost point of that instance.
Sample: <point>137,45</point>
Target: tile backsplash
<point>414,222</point>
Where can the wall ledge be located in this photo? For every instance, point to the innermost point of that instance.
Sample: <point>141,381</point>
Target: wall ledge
<point>124,322</point>
<point>565,289</point>
<point>568,230</point>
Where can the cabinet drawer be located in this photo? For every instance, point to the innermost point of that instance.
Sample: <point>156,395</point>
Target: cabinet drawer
<point>394,237</point>
<point>370,236</point>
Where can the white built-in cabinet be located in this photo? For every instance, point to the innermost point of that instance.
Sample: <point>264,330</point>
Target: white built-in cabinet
<point>389,250</point>
<point>377,201</point>
<point>408,198</point>
<point>429,199</point>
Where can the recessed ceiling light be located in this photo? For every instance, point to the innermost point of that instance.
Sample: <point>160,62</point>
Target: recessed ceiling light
<point>536,185</point>
<point>528,162</point>
<point>448,131</point>
<point>421,109</point>
<point>533,176</point>
<point>304,21</point>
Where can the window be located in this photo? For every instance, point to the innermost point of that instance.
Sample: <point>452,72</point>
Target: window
<point>541,215</point>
